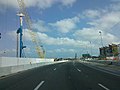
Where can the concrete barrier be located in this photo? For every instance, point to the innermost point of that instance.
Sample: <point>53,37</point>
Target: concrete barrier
<point>9,65</point>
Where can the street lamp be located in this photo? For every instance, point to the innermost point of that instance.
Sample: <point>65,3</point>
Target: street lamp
<point>101,38</point>
<point>91,47</point>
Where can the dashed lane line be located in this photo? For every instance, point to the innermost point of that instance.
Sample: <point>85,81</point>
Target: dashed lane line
<point>79,70</point>
<point>54,69</point>
<point>39,85</point>
<point>103,86</point>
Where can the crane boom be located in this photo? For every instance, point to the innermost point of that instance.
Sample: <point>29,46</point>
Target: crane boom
<point>23,10</point>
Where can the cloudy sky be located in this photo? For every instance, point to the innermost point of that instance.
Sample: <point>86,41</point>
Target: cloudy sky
<point>63,27</point>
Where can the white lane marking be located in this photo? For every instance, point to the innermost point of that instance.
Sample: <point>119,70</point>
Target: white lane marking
<point>79,70</point>
<point>103,86</point>
<point>39,85</point>
<point>103,70</point>
<point>54,69</point>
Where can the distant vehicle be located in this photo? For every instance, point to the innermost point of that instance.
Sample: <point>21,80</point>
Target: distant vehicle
<point>58,59</point>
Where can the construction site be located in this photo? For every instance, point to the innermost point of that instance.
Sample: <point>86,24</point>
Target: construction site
<point>59,45</point>
<point>24,18</point>
<point>20,61</point>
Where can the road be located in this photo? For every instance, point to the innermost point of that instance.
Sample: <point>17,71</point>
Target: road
<point>70,75</point>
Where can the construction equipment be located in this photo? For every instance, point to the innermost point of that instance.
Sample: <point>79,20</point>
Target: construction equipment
<point>19,31</point>
<point>33,34</point>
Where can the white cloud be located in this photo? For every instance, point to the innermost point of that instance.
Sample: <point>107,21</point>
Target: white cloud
<point>9,3</point>
<point>87,34</point>
<point>26,35</point>
<point>108,21</point>
<point>91,13</point>
<point>8,52</point>
<point>12,35</point>
<point>66,25</point>
<point>103,20</point>
<point>40,25</point>
<point>64,41</point>
<point>61,50</point>
<point>92,34</point>
<point>110,38</point>
<point>45,39</point>
<point>42,4</point>
<point>67,2</point>
<point>115,7</point>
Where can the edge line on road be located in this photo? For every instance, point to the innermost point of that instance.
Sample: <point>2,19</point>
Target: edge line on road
<point>39,85</point>
<point>103,86</point>
<point>103,70</point>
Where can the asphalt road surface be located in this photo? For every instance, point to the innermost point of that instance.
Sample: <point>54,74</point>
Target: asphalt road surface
<point>70,75</point>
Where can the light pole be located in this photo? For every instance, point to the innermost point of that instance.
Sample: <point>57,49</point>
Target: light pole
<point>102,44</point>
<point>101,38</point>
<point>91,47</point>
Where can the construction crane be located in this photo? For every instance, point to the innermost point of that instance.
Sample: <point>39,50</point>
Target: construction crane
<point>19,31</point>
<point>33,34</point>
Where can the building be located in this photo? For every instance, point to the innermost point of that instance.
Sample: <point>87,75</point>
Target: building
<point>104,51</point>
<point>115,50</point>
<point>112,50</point>
<point>119,50</point>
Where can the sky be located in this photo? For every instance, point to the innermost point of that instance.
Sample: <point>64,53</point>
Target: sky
<point>63,27</point>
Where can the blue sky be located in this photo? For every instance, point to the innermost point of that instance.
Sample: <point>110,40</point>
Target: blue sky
<point>63,27</point>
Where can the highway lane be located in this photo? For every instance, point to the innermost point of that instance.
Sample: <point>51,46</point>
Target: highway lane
<point>71,75</point>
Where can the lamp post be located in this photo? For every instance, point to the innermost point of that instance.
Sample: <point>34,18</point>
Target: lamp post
<point>91,47</point>
<point>102,44</point>
<point>101,38</point>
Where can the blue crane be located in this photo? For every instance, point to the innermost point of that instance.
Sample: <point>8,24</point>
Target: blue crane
<point>19,31</point>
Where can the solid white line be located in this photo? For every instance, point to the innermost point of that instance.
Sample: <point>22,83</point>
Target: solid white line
<point>103,86</point>
<point>54,69</point>
<point>39,85</point>
<point>79,70</point>
<point>103,70</point>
